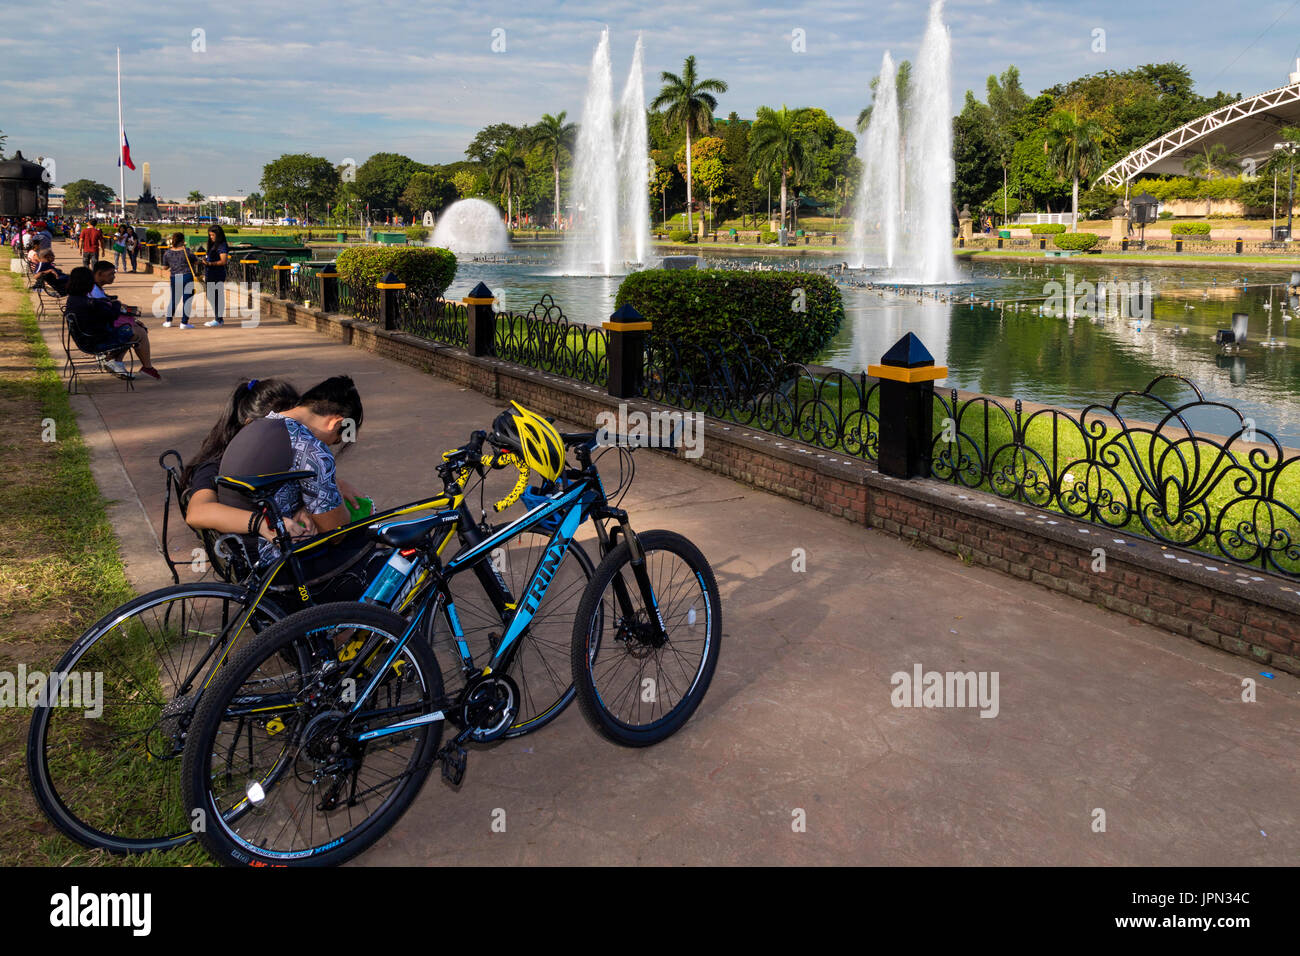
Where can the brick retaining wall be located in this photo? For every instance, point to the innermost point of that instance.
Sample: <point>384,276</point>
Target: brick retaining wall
<point>1244,612</point>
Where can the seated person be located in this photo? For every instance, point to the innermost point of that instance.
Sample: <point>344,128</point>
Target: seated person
<point>48,274</point>
<point>98,325</point>
<point>297,440</point>
<point>106,275</point>
<point>252,399</point>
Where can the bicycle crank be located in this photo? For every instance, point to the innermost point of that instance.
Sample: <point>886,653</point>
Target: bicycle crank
<point>490,707</point>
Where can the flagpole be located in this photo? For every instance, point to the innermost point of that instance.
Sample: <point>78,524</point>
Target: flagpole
<point>121,131</point>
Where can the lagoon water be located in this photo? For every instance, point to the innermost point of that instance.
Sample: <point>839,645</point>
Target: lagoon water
<point>1017,352</point>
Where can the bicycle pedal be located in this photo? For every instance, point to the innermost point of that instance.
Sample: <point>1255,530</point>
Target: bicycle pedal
<point>453,758</point>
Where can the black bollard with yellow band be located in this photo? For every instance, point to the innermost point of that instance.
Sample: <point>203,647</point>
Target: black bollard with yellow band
<point>389,287</point>
<point>480,321</point>
<point>907,375</point>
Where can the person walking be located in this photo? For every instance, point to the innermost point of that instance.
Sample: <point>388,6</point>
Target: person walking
<point>215,261</point>
<point>119,247</point>
<point>91,241</point>
<point>180,264</point>
<point>132,243</point>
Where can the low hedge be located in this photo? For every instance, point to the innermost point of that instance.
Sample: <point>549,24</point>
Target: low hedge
<point>152,235</point>
<point>1190,229</point>
<point>766,236</point>
<point>1077,241</point>
<point>416,233</point>
<point>679,235</point>
<point>798,312</point>
<point>1046,229</point>
<point>430,268</point>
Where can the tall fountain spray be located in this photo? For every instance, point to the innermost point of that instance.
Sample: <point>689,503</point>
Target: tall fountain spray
<point>593,243</point>
<point>929,166</point>
<point>634,165</point>
<point>904,221</point>
<point>876,229</point>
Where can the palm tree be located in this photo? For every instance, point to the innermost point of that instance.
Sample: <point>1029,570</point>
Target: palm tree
<point>1073,147</point>
<point>776,143</point>
<point>689,102</point>
<point>195,196</point>
<point>506,169</point>
<point>1213,162</point>
<point>553,134</point>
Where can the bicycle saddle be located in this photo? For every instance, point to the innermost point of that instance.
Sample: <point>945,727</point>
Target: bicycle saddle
<point>408,533</point>
<point>261,486</point>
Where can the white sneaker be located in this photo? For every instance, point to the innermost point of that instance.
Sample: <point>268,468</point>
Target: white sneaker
<point>168,324</point>
<point>186,325</point>
<point>117,368</point>
<point>213,324</point>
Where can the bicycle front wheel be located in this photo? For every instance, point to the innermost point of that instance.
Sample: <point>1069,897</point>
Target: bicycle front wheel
<point>281,768</point>
<point>633,686</point>
<point>107,770</point>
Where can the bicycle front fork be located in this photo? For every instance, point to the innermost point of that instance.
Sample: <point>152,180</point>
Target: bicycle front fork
<point>658,635</point>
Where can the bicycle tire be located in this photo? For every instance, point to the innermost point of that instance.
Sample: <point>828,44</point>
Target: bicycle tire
<point>604,661</point>
<point>141,817</point>
<point>221,836</point>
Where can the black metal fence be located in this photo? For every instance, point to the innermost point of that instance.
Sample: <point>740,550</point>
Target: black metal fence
<point>544,338</point>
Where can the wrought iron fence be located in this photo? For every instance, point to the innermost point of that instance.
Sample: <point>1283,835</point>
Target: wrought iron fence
<point>750,383</point>
<point>359,301</point>
<point>424,313</point>
<point>1135,465</point>
<point>543,338</point>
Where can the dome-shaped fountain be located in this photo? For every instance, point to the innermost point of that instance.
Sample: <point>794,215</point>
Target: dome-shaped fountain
<point>471,227</point>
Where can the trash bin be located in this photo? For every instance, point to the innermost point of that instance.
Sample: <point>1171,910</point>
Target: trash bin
<point>342,237</point>
<point>1281,233</point>
<point>798,233</point>
<point>1004,233</point>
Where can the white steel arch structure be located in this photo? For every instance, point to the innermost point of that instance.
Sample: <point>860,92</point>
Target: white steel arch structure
<point>1247,127</point>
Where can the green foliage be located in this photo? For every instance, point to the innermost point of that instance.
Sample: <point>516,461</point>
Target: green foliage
<point>975,158</point>
<point>489,139</point>
<point>1165,215</point>
<point>383,178</point>
<point>1077,241</point>
<point>680,235</point>
<point>766,236</point>
<point>77,194</point>
<point>416,233</point>
<point>1190,229</point>
<point>430,269</point>
<point>152,235</point>
<point>1046,229</point>
<point>300,180</point>
<point>432,192</point>
<point>798,312</point>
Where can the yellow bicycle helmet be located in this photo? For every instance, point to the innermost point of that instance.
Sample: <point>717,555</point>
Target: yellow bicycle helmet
<point>532,438</point>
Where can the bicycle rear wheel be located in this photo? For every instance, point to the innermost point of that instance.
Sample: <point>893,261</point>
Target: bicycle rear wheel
<point>108,774</point>
<point>633,689</point>
<point>275,768</point>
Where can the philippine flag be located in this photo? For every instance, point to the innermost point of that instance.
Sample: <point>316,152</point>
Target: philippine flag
<point>126,153</point>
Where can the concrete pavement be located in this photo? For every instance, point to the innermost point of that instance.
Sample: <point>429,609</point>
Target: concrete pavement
<point>1095,712</point>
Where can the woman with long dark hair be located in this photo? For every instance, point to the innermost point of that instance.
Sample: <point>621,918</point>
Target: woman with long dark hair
<point>214,274</point>
<point>251,400</point>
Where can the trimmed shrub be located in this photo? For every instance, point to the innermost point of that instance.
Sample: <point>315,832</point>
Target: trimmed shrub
<point>416,234</point>
<point>1190,229</point>
<point>152,235</point>
<point>679,235</point>
<point>1077,241</point>
<point>1046,229</point>
<point>798,312</point>
<point>431,269</point>
<point>766,236</point>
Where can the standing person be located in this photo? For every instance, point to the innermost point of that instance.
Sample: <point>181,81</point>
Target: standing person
<point>132,243</point>
<point>90,242</point>
<point>180,264</point>
<point>214,274</point>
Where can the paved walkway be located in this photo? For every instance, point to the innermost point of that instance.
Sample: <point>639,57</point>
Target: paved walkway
<point>1096,711</point>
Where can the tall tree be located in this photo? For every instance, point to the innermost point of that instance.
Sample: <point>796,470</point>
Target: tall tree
<point>382,179</point>
<point>975,162</point>
<point>1007,101</point>
<point>777,144</point>
<point>489,139</point>
<point>554,136</point>
<point>688,102</point>
<point>1212,162</point>
<point>431,192</point>
<point>78,194</point>
<point>298,180</point>
<point>195,196</point>
<point>506,171</point>
<point>1073,147</point>
<point>902,84</point>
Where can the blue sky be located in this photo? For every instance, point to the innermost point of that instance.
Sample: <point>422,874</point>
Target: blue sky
<point>346,79</point>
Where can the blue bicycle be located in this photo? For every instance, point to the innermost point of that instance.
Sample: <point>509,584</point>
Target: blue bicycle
<point>317,737</point>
